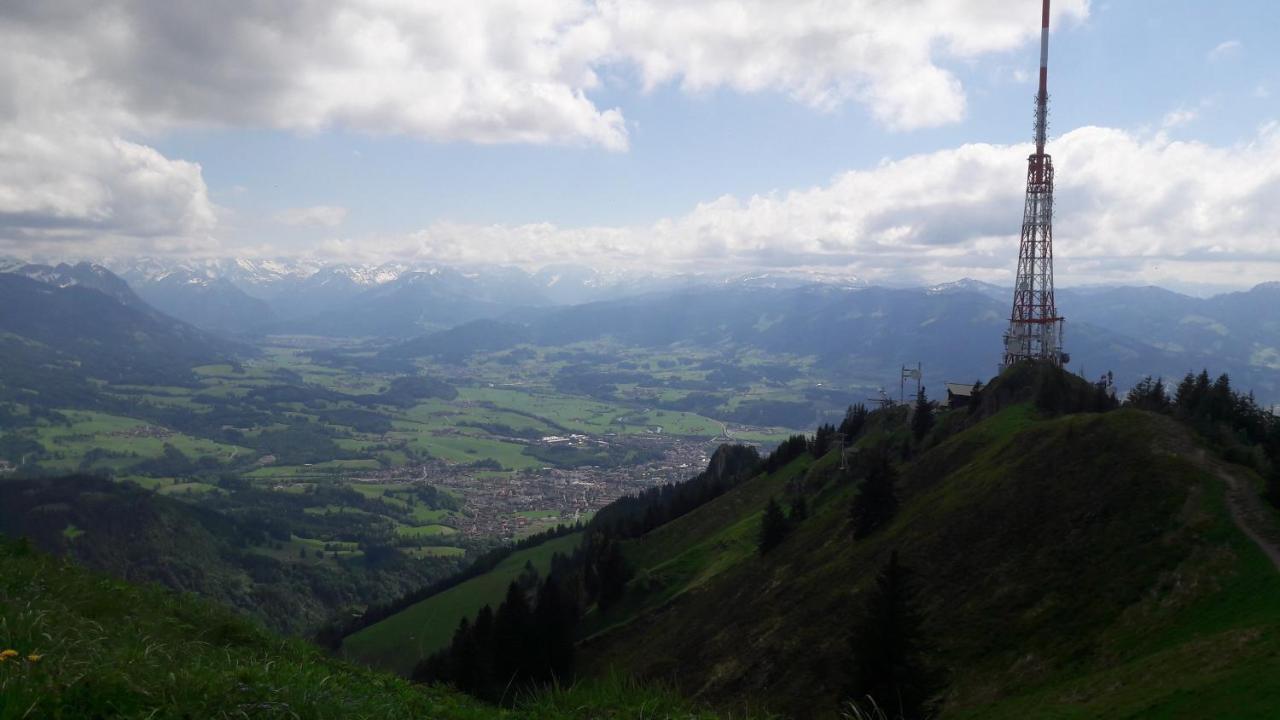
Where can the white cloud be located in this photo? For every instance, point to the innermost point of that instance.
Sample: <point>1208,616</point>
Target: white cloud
<point>885,55</point>
<point>1224,50</point>
<point>498,70</point>
<point>317,215</point>
<point>84,87</point>
<point>77,185</point>
<point>1130,209</point>
<point>1178,118</point>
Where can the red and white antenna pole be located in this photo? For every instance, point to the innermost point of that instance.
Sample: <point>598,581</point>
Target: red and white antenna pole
<point>1035,328</point>
<point>1042,99</point>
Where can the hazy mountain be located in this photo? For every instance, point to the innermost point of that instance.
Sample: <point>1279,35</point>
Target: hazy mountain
<point>414,303</point>
<point>238,296</point>
<point>78,330</point>
<point>840,321</point>
<point>83,274</point>
<point>227,297</point>
<point>956,332</point>
<point>1241,328</point>
<point>995,292</point>
<point>213,304</point>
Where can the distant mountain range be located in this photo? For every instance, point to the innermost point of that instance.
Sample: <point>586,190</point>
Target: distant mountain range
<point>61,326</point>
<point>450,312</point>
<point>253,297</point>
<point>870,332</point>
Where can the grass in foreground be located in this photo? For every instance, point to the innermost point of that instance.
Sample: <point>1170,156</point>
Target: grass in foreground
<point>75,644</point>
<point>89,646</point>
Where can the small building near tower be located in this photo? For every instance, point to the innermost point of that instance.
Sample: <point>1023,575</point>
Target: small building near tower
<point>959,394</point>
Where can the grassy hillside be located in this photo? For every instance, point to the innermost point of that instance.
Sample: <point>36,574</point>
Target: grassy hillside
<point>89,333</point>
<point>142,536</point>
<point>88,646</point>
<point>1082,566</point>
<point>403,639</point>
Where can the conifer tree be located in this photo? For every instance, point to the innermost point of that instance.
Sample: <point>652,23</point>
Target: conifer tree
<point>975,398</point>
<point>1273,484</point>
<point>613,574</point>
<point>822,440</point>
<point>889,670</point>
<point>876,502</point>
<point>512,644</point>
<point>464,661</point>
<point>554,618</point>
<point>773,527</point>
<point>855,419</point>
<point>922,419</point>
<point>799,509</point>
<point>1148,394</point>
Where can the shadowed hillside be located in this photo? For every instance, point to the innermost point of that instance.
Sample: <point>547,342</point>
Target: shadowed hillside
<point>74,644</point>
<point>1083,566</point>
<point>140,536</point>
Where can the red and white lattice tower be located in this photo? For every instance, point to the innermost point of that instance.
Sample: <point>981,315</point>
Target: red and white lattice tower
<point>1035,329</point>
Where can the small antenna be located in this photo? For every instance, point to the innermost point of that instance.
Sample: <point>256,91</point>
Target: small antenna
<point>1042,98</point>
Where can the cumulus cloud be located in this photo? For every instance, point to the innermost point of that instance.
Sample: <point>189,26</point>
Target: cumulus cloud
<point>494,71</point>
<point>317,215</point>
<point>85,86</point>
<point>79,185</point>
<point>1130,208</point>
<point>501,70</point>
<point>68,175</point>
<point>885,55</point>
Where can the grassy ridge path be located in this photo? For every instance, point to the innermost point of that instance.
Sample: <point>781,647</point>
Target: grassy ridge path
<point>1251,514</point>
<point>1249,511</point>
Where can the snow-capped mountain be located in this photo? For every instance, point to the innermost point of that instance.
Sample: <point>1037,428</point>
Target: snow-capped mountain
<point>248,295</point>
<point>995,292</point>
<point>84,274</point>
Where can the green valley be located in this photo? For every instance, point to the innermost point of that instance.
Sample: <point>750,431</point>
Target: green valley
<point>1007,514</point>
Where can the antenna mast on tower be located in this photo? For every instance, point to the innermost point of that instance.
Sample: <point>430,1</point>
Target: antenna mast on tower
<point>1035,329</point>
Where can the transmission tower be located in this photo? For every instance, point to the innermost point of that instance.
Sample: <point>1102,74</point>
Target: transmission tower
<point>1035,329</point>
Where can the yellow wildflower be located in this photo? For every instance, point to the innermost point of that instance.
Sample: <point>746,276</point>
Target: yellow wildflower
<point>6,654</point>
<point>33,657</point>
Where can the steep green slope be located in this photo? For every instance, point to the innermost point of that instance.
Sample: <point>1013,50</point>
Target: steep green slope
<point>87,646</point>
<point>97,335</point>
<point>1075,567</point>
<point>400,641</point>
<point>138,535</point>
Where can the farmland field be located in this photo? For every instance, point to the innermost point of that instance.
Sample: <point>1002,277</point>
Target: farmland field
<point>442,462</point>
<point>401,640</point>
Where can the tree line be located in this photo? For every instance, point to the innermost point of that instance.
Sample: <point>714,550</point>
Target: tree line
<point>1232,421</point>
<point>332,633</point>
<point>524,644</point>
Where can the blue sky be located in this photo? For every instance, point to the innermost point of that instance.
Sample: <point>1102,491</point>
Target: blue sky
<point>420,184</point>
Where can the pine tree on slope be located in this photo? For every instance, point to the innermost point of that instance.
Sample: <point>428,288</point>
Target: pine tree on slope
<point>876,502</point>
<point>773,527</point>
<point>889,670</point>
<point>922,418</point>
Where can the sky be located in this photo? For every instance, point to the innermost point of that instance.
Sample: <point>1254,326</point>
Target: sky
<point>883,140</point>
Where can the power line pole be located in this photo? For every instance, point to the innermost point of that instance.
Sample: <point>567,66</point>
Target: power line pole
<point>916,372</point>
